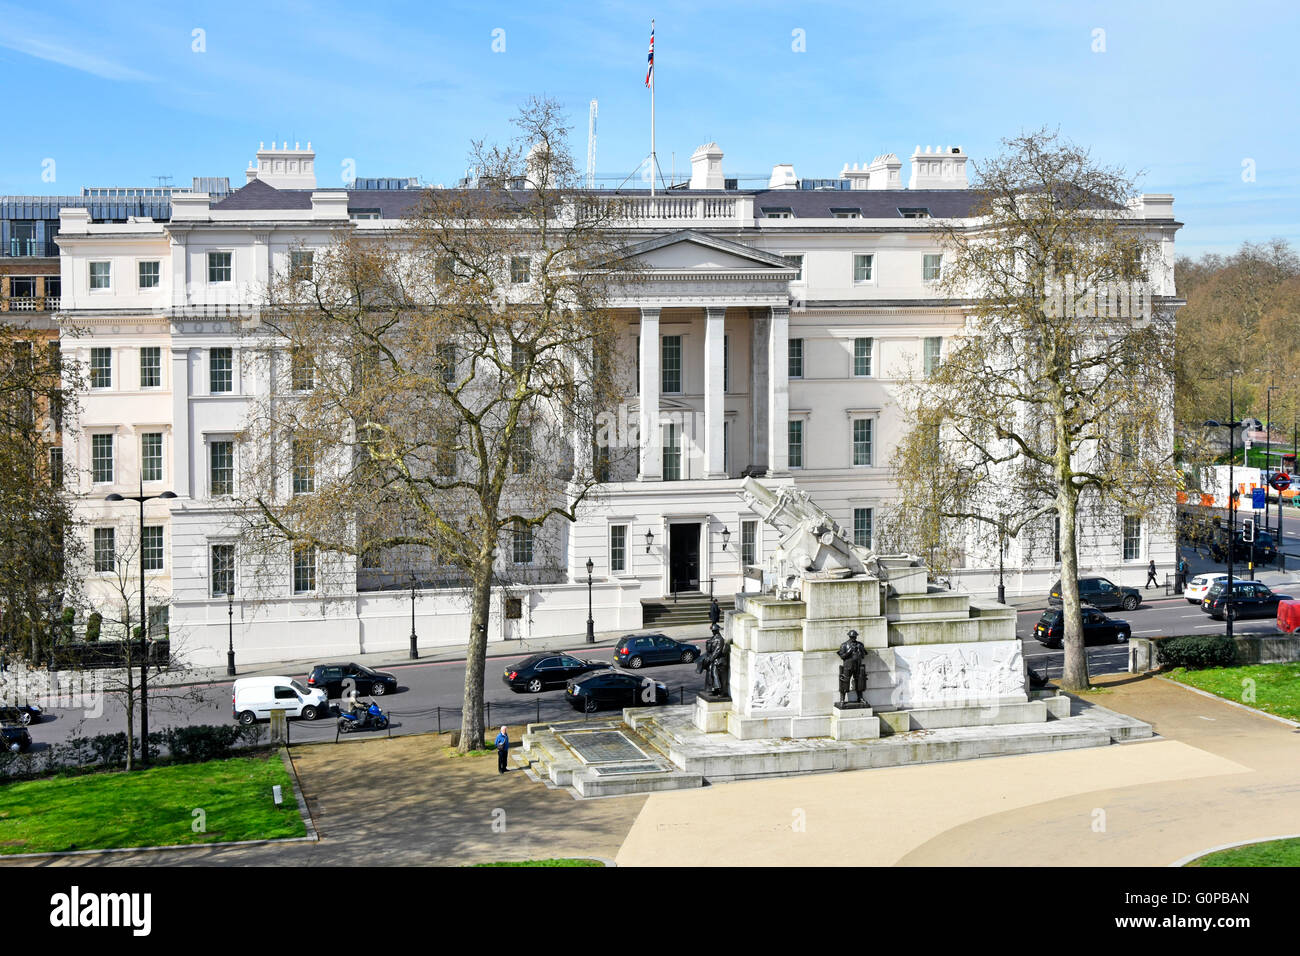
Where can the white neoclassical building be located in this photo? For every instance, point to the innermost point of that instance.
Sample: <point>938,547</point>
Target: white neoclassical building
<point>771,331</point>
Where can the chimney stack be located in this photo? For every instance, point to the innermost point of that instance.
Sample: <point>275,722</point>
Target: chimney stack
<point>706,167</point>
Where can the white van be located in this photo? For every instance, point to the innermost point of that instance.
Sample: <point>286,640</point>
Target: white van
<point>255,697</point>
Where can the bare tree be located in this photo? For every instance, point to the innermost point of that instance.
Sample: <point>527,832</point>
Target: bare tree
<point>433,392</point>
<point>1055,400</point>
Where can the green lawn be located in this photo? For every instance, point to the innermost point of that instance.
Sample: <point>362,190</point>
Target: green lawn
<point>563,861</point>
<point>1272,853</point>
<point>1276,687</point>
<point>153,807</point>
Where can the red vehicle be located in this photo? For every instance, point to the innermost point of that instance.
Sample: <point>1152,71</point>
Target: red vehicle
<point>1288,616</point>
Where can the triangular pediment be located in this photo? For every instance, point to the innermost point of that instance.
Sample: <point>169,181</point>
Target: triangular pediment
<point>690,251</point>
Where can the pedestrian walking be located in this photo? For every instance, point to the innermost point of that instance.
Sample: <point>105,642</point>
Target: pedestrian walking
<point>1151,575</point>
<point>1180,581</point>
<point>715,612</point>
<point>503,748</point>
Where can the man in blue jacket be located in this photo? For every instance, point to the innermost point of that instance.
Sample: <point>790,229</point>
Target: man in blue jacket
<point>503,748</point>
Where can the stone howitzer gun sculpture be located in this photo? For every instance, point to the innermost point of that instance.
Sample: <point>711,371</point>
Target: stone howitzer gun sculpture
<point>812,544</point>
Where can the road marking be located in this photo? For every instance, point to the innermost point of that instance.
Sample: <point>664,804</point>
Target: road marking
<point>1154,630</point>
<point>1209,627</point>
<point>1205,718</point>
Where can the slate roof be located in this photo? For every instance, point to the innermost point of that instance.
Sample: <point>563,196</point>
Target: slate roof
<point>803,203</point>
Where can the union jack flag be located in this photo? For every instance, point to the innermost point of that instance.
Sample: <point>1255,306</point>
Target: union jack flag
<point>650,58</point>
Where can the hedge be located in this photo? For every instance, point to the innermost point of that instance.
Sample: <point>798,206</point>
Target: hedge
<point>1197,651</point>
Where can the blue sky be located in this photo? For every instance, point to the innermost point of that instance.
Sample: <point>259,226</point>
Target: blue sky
<point>1181,96</point>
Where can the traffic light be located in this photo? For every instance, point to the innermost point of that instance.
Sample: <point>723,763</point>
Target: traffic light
<point>1248,530</point>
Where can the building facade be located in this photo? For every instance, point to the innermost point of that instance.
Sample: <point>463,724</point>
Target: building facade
<point>771,331</point>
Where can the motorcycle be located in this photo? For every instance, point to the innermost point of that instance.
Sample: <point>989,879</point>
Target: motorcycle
<point>372,718</point>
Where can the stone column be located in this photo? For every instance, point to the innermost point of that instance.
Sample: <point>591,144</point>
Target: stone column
<point>758,325</point>
<point>182,479</point>
<point>714,381</point>
<point>651,440</point>
<point>778,391</point>
<point>583,463</point>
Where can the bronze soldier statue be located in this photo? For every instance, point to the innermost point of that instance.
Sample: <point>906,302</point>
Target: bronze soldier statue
<point>716,664</point>
<point>853,667</point>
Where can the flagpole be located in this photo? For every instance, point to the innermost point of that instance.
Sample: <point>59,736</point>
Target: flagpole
<point>652,120</point>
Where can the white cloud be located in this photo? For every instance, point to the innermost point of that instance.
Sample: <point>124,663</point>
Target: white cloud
<point>74,59</point>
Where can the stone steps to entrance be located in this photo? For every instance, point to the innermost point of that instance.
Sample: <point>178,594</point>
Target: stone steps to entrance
<point>669,613</point>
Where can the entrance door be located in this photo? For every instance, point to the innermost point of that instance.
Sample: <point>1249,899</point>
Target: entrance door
<point>684,557</point>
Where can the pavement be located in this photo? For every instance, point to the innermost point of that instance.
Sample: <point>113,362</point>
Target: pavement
<point>1218,774</point>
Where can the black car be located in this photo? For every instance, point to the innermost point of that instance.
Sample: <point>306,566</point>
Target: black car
<point>637,650</point>
<point>334,680</point>
<point>22,714</point>
<point>546,672</point>
<point>16,738</point>
<point>1101,593</point>
<point>1097,628</point>
<point>1265,549</point>
<point>1249,599</point>
<point>614,688</point>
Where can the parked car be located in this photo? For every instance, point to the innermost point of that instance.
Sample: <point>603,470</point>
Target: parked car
<point>1200,586</point>
<point>635,650</point>
<point>333,679</point>
<point>546,672</point>
<point>1265,549</point>
<point>254,698</point>
<point>1097,628</point>
<point>16,738</point>
<point>614,688</point>
<point>1100,593</point>
<point>21,714</point>
<point>1249,599</point>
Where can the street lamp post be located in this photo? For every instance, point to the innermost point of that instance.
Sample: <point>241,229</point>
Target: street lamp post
<point>1231,424</point>
<point>1268,449</point>
<point>415,653</point>
<point>591,622</point>
<point>230,618</point>
<point>1002,547</point>
<point>144,621</point>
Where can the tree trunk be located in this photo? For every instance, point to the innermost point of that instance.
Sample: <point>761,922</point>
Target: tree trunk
<point>1075,676</point>
<point>471,715</point>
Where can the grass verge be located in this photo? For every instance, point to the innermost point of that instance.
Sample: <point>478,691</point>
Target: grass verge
<point>213,802</point>
<point>1271,853</point>
<point>1272,688</point>
<point>562,861</point>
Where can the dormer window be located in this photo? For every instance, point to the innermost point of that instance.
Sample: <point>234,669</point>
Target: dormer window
<point>355,214</point>
<point>846,213</point>
<point>914,212</point>
<point>778,212</point>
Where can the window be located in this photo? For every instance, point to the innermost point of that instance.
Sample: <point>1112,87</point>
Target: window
<point>221,468</point>
<point>796,358</point>
<point>914,212</point>
<point>304,468</point>
<point>151,547</point>
<point>863,519</point>
<point>304,569</point>
<point>219,268</point>
<point>302,370</point>
<point>521,545</point>
<point>862,441</point>
<point>445,269</point>
<point>796,444</point>
<point>151,456</point>
<point>300,265</point>
<point>22,238</point>
<point>56,466</point>
<point>150,366</point>
<point>862,349</point>
<point>105,549</point>
<point>101,368</point>
<point>726,448</point>
<point>447,362</point>
<point>1056,538</point>
<point>779,212</point>
<point>726,363</point>
<point>846,213</point>
<point>1132,538</point>
<point>617,548</point>
<point>933,346</point>
<point>521,268</point>
<point>148,274</point>
<point>672,453</point>
<point>671,352</point>
<point>221,374</point>
<point>931,267</point>
<point>101,276</point>
<point>101,459</point>
<point>222,569</point>
<point>862,267</point>
<point>357,214</point>
<point>523,449</point>
<point>796,260</point>
<point>748,543</point>
<point>444,460</point>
